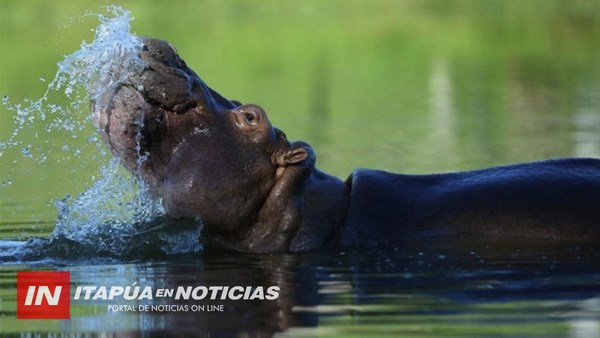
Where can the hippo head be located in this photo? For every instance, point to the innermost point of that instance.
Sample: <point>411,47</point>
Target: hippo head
<point>204,155</point>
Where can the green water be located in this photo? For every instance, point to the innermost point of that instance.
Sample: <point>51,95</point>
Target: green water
<point>406,86</point>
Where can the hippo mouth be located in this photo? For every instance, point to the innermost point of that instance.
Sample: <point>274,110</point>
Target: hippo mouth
<point>163,102</point>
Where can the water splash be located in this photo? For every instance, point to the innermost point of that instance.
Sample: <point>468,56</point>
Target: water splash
<point>82,76</point>
<point>117,214</point>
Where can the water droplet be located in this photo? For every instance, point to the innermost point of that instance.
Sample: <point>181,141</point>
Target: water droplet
<point>26,152</point>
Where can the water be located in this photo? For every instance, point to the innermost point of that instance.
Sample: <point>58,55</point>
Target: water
<point>82,77</point>
<point>406,86</point>
<point>117,211</point>
<point>421,290</point>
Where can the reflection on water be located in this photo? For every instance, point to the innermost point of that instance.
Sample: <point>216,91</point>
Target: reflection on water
<point>441,104</point>
<point>419,289</point>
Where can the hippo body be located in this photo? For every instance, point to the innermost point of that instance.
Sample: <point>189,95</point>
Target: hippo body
<point>223,162</point>
<point>554,199</point>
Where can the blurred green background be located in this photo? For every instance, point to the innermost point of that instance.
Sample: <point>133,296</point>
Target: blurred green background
<point>412,86</point>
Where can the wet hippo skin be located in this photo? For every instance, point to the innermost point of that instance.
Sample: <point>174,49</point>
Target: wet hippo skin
<point>223,161</point>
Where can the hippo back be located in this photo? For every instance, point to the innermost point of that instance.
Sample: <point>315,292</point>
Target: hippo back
<point>555,199</point>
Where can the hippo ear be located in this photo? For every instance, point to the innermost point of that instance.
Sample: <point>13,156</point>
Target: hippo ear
<point>295,155</point>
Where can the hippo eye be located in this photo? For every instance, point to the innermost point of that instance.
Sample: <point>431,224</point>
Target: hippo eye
<point>249,117</point>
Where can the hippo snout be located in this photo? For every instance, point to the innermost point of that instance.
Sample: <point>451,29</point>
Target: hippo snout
<point>164,101</point>
<point>166,81</point>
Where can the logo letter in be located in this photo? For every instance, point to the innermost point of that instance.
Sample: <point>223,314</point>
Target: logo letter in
<point>43,295</point>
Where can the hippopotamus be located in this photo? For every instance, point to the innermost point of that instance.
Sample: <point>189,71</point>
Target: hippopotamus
<point>223,162</point>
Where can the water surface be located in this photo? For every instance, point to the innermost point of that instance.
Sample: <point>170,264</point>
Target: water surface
<point>423,289</point>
